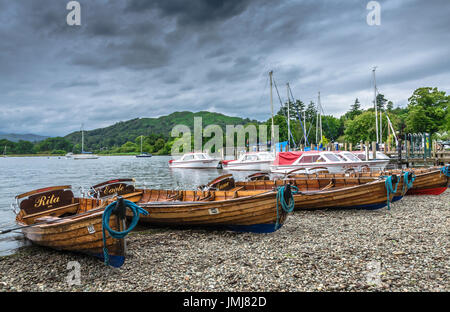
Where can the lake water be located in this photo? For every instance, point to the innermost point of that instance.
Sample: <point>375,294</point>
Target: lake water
<point>22,174</point>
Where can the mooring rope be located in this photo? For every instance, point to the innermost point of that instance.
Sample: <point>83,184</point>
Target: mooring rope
<point>286,206</point>
<point>390,189</point>
<point>446,171</point>
<point>116,234</point>
<point>407,183</point>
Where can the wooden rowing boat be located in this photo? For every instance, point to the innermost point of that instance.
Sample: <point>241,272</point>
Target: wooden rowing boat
<point>54,218</point>
<point>321,191</point>
<point>428,181</point>
<point>238,210</point>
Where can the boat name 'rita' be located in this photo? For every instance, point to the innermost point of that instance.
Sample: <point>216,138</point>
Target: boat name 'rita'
<point>46,201</point>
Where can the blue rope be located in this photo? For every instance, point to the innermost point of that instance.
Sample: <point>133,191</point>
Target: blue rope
<point>409,184</point>
<point>406,183</point>
<point>287,207</point>
<point>446,171</point>
<point>115,234</point>
<point>390,189</point>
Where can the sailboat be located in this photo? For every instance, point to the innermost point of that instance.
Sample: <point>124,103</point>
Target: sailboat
<point>4,152</point>
<point>83,155</point>
<point>143,154</point>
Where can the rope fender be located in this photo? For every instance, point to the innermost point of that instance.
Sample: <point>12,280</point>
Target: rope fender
<point>285,196</point>
<point>390,189</point>
<point>118,207</point>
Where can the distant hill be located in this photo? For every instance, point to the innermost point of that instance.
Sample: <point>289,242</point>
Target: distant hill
<point>15,137</point>
<point>124,131</point>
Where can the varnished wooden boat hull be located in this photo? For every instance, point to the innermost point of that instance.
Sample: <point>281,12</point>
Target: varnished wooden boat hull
<point>82,234</point>
<point>337,192</point>
<point>372,195</point>
<point>433,182</point>
<point>429,181</point>
<point>250,212</point>
<point>53,218</point>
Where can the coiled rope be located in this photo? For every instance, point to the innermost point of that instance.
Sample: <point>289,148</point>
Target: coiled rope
<point>446,171</point>
<point>116,234</point>
<point>287,206</point>
<point>407,181</point>
<point>390,189</point>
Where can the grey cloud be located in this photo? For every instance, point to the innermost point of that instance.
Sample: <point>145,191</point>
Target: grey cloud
<point>162,56</point>
<point>192,13</point>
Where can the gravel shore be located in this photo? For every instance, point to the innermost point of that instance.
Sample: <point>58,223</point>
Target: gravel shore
<point>404,249</point>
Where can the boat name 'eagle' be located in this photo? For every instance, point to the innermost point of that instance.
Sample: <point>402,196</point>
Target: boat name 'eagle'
<point>108,190</point>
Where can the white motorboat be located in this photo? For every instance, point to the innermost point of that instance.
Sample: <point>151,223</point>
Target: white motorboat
<point>253,161</point>
<point>311,161</point>
<point>380,163</point>
<point>85,156</point>
<point>195,161</point>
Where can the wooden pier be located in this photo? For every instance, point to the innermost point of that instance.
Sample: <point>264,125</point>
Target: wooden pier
<point>408,157</point>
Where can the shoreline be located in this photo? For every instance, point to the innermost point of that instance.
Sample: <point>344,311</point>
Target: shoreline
<point>404,249</point>
<point>53,155</point>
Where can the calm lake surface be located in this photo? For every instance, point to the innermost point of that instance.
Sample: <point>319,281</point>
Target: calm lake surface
<point>23,174</point>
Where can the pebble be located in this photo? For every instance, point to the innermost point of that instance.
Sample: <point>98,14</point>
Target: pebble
<point>404,249</point>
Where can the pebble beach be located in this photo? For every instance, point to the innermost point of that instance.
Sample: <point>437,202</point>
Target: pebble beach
<point>402,249</point>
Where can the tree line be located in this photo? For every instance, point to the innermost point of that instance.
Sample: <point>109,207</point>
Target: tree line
<point>427,111</point>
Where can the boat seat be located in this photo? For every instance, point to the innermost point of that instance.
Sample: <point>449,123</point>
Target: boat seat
<point>72,208</point>
<point>47,219</point>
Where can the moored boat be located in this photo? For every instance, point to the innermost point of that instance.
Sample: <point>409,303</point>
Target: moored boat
<point>319,192</point>
<point>53,217</point>
<point>433,181</point>
<point>334,162</point>
<point>195,161</point>
<point>237,210</point>
<point>287,161</point>
<point>428,181</point>
<point>253,161</point>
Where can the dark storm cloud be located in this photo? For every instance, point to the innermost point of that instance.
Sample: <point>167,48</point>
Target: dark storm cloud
<point>192,13</point>
<point>137,55</point>
<point>141,58</point>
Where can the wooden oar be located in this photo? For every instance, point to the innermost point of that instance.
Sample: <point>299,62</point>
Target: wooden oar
<point>27,226</point>
<point>51,221</point>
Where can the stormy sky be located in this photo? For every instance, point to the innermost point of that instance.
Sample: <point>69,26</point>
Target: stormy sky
<point>140,58</point>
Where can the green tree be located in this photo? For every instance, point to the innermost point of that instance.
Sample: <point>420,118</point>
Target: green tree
<point>355,110</point>
<point>129,147</point>
<point>159,144</point>
<point>24,147</point>
<point>311,111</point>
<point>389,106</point>
<point>56,143</point>
<point>428,111</point>
<point>381,101</point>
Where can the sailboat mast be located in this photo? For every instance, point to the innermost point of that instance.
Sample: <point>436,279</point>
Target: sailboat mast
<point>304,124</point>
<point>320,116</point>
<point>288,116</point>
<point>317,122</point>
<point>381,127</point>
<point>271,107</point>
<point>82,139</point>
<point>141,144</point>
<point>375,102</point>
